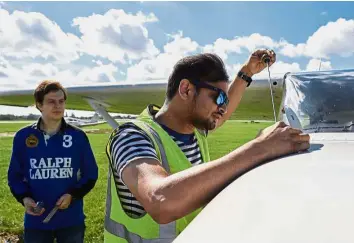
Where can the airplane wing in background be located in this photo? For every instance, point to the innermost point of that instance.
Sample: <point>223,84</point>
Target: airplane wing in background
<point>116,98</point>
<point>119,98</point>
<point>132,98</point>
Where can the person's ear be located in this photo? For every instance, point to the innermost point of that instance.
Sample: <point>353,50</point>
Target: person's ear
<point>184,89</point>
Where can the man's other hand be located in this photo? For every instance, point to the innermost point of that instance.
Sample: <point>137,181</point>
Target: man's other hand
<point>30,205</point>
<point>281,139</point>
<point>64,201</point>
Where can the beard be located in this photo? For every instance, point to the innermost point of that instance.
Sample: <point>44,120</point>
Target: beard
<point>203,124</point>
<point>197,120</point>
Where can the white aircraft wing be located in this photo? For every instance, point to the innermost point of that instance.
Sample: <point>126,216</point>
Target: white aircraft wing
<point>117,98</point>
<point>127,97</point>
<point>306,198</point>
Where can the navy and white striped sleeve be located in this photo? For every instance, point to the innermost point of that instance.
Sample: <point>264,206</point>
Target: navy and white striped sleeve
<point>128,144</point>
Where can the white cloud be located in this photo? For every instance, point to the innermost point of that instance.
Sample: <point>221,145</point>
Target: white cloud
<point>101,73</point>
<point>97,62</point>
<point>291,50</point>
<point>31,35</point>
<point>278,69</point>
<point>223,47</point>
<point>324,13</point>
<point>233,69</point>
<point>28,76</point>
<point>180,45</point>
<point>117,35</point>
<point>10,76</point>
<point>41,70</point>
<point>334,38</point>
<point>123,37</point>
<point>153,69</point>
<point>316,64</point>
<point>161,66</point>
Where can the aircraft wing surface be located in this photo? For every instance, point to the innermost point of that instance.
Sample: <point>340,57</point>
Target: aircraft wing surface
<point>307,197</point>
<point>132,97</point>
<point>128,98</point>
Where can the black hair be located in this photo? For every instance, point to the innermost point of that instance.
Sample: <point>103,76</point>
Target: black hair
<point>205,67</point>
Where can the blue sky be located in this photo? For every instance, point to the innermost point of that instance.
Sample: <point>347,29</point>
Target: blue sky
<point>85,42</point>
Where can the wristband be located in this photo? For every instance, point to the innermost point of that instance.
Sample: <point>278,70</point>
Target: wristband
<point>246,78</point>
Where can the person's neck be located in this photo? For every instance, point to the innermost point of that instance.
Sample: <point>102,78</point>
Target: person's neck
<point>173,117</point>
<point>50,126</point>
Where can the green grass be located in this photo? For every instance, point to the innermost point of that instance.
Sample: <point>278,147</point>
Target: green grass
<point>11,127</point>
<point>231,135</point>
<point>256,104</point>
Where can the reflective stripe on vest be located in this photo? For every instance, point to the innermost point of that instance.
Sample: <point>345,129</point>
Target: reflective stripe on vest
<point>167,231</point>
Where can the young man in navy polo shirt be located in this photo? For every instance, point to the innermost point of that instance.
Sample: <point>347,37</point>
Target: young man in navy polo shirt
<point>52,162</point>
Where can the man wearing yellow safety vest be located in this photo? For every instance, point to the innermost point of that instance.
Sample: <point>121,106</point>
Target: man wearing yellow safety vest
<point>159,180</point>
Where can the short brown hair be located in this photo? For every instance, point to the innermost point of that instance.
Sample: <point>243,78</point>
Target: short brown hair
<point>44,88</point>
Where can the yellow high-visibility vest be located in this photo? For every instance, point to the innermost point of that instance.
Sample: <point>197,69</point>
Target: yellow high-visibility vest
<point>119,227</point>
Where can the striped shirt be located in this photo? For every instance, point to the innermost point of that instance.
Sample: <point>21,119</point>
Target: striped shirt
<point>130,143</point>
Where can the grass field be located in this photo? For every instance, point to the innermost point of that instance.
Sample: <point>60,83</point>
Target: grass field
<point>231,135</point>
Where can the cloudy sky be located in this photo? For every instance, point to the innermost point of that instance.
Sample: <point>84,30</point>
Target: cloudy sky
<point>108,42</point>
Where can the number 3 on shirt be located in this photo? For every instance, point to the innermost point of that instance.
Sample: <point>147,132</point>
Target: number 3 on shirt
<point>67,141</point>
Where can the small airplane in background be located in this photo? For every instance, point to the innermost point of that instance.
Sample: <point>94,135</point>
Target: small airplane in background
<point>94,120</point>
<point>304,197</point>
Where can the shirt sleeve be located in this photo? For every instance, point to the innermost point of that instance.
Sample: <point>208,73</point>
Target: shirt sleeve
<point>88,171</point>
<point>16,175</point>
<point>128,144</point>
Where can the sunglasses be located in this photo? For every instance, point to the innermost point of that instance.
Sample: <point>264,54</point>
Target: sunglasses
<point>221,99</point>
